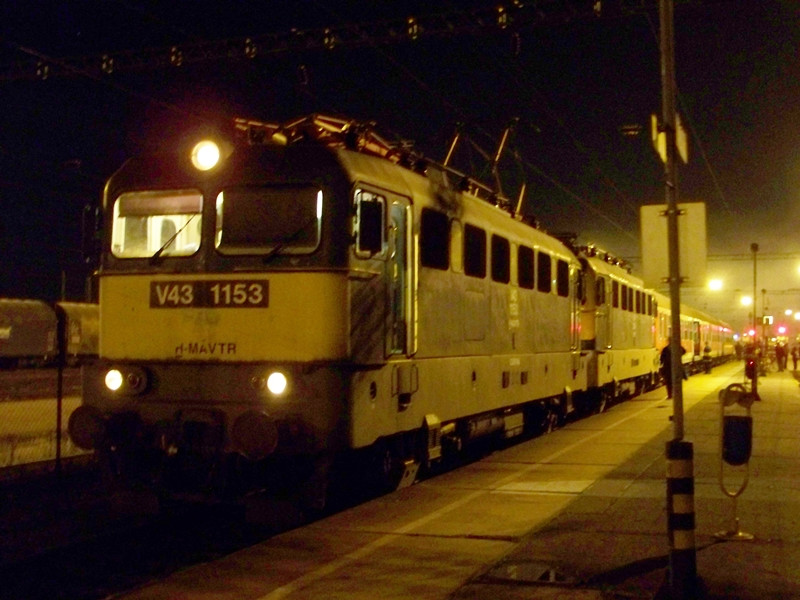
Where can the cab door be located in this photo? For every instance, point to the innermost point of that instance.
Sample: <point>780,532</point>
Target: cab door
<point>401,280</point>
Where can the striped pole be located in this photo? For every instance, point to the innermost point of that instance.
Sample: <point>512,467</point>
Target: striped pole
<point>680,520</point>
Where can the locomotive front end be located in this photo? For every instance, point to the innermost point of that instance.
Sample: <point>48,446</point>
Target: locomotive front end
<point>222,313</point>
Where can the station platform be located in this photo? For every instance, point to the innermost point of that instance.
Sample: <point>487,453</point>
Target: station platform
<point>578,514</point>
<point>612,542</point>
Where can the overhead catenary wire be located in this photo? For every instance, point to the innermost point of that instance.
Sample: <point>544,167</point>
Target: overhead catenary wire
<point>455,22</point>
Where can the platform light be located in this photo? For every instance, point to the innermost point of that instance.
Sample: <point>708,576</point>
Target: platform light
<point>715,285</point>
<point>205,155</point>
<point>746,301</point>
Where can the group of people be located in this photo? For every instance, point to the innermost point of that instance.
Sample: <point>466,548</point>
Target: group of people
<point>782,354</point>
<point>781,351</point>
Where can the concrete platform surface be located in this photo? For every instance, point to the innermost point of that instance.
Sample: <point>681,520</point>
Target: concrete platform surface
<point>579,513</point>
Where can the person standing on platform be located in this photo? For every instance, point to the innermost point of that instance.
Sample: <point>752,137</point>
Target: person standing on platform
<point>666,367</point>
<point>780,356</point>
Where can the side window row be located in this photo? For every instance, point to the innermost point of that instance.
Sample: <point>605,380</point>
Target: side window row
<point>632,300</point>
<point>534,269</point>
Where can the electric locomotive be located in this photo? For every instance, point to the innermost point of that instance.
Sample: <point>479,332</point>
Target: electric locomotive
<point>305,293</point>
<point>308,290</point>
<point>617,328</point>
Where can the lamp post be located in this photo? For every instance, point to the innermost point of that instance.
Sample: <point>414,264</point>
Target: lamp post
<point>754,248</point>
<point>680,466</point>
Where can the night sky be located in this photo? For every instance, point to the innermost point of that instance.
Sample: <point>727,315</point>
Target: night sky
<point>574,83</point>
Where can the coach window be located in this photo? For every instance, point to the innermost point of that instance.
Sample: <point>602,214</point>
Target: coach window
<point>638,302</point>
<point>624,292</point>
<point>544,272</point>
<point>630,299</point>
<point>434,239</point>
<point>615,294</point>
<point>525,267</point>
<point>501,257</point>
<point>474,251</point>
<point>600,291</point>
<point>562,278</point>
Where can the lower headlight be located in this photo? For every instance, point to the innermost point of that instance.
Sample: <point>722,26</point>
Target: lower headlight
<point>126,380</point>
<point>114,380</point>
<point>277,383</point>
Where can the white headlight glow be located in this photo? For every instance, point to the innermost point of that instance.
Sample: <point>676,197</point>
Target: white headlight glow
<point>113,380</point>
<point>205,155</point>
<point>276,383</point>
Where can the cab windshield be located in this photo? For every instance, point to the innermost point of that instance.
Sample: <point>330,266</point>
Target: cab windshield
<point>251,220</point>
<point>157,223</point>
<point>268,220</point>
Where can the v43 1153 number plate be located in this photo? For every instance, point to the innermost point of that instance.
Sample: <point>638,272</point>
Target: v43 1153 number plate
<point>225,293</point>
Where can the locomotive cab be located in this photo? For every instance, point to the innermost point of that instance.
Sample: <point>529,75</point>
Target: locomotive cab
<point>224,302</point>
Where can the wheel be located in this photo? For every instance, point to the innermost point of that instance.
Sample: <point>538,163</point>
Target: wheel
<point>556,415</point>
<point>394,463</point>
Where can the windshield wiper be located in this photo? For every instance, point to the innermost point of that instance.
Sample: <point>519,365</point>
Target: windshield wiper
<point>155,258</point>
<point>287,240</point>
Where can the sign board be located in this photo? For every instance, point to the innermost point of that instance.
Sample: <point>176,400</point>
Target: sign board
<point>692,249</point>
<point>659,139</point>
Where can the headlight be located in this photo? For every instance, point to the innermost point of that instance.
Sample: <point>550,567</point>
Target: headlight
<point>127,380</point>
<point>114,380</point>
<point>276,383</point>
<point>205,155</point>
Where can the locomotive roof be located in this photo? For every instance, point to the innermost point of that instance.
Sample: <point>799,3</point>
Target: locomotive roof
<point>394,162</point>
<point>360,136</point>
<point>608,264</point>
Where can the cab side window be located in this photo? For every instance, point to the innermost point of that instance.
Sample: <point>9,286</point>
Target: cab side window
<point>434,239</point>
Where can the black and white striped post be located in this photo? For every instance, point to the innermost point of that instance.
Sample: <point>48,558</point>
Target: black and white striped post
<point>680,519</point>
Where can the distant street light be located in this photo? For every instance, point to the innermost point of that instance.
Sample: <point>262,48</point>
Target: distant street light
<point>715,285</point>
